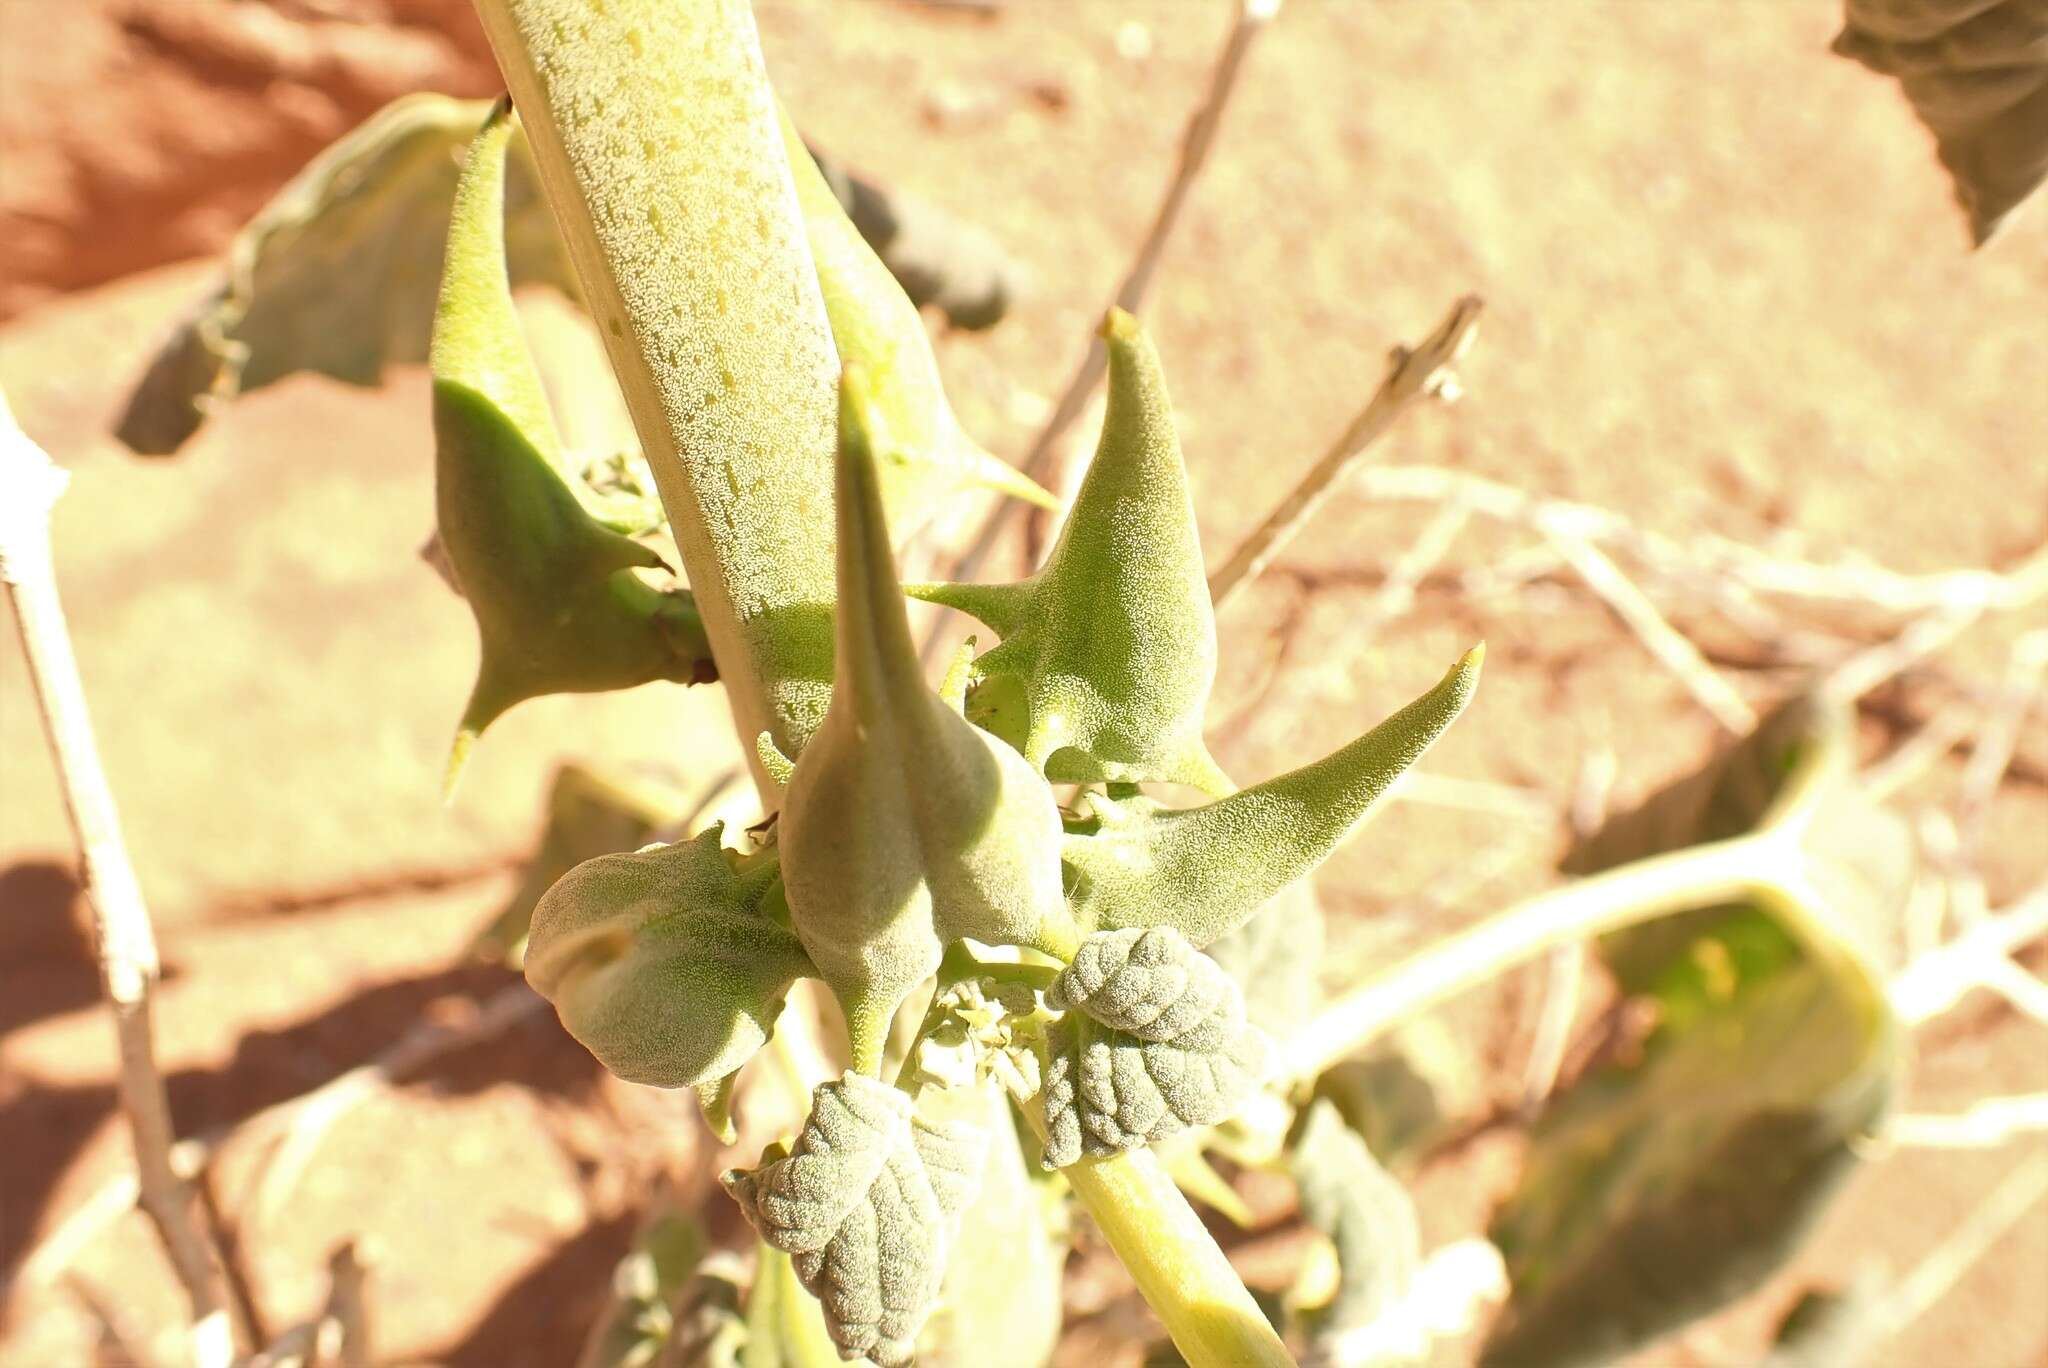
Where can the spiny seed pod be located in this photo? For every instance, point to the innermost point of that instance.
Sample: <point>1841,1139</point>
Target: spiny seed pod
<point>904,826</point>
<point>867,1206</point>
<point>558,607</point>
<point>1112,645</point>
<point>923,452</point>
<point>1154,1042</point>
<point>668,964</point>
<point>1205,870</point>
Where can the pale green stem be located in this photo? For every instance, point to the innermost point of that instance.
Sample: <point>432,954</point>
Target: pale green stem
<point>1179,1268</point>
<point>1761,866</point>
<point>660,150</point>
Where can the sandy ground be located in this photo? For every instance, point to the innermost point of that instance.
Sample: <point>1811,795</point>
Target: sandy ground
<point>1725,289</point>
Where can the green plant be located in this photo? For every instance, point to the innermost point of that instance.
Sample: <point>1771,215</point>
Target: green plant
<point>988,875</point>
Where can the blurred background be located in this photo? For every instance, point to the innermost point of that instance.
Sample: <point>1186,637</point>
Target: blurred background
<point>1727,292</point>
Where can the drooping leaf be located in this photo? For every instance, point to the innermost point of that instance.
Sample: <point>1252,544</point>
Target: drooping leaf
<point>1976,72</point>
<point>558,606</point>
<point>1154,1042</point>
<point>904,826</point>
<point>1206,870</point>
<point>668,964</point>
<point>1112,644</point>
<point>921,451</point>
<point>337,274</point>
<point>866,1204</point>
<point>1366,1214</point>
<point>1001,1304</point>
<point>1661,1188</point>
<point>588,816</point>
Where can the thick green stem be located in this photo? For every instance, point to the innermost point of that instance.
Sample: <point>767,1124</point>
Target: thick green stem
<point>660,150</point>
<point>1758,866</point>
<point>1179,1268</point>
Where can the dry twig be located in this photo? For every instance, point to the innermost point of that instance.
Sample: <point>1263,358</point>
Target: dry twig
<point>30,484</point>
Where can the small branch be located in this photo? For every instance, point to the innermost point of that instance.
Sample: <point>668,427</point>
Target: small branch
<point>1411,376</point>
<point>1876,665</point>
<point>1695,877</point>
<point>2007,1205</point>
<point>1674,651</point>
<point>29,486</point>
<point>1562,983</point>
<point>1982,1125</point>
<point>1396,595</point>
<point>1919,752</point>
<point>1992,755</point>
<point>1196,143</point>
<point>1939,979</point>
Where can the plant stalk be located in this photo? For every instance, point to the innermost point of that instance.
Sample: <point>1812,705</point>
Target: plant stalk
<point>660,151</point>
<point>1179,1268</point>
<point>1749,866</point>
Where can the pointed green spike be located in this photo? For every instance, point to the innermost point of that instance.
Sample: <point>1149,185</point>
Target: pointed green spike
<point>1205,870</point>
<point>1113,642</point>
<point>903,826</point>
<point>953,688</point>
<point>557,606</point>
<point>923,452</point>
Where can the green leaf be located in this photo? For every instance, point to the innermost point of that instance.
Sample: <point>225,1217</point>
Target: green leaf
<point>668,964</point>
<point>785,1327</point>
<point>921,450</point>
<point>1276,958</point>
<point>1112,643</point>
<point>1001,1304</point>
<point>588,816</point>
<point>1369,1216</point>
<point>1660,1189</point>
<point>904,826</point>
<point>1976,72</point>
<point>1154,1042</point>
<point>866,1204</point>
<point>336,274</point>
<point>1206,870</point>
<point>558,606</point>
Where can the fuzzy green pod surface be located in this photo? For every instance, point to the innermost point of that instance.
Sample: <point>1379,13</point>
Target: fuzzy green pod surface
<point>1112,645</point>
<point>904,826</point>
<point>867,1206</point>
<point>667,964</point>
<point>1206,870</point>
<point>924,453</point>
<point>558,608</point>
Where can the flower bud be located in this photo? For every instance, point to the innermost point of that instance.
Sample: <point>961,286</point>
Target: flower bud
<point>557,604</point>
<point>904,826</point>
<point>1113,643</point>
<point>667,964</point>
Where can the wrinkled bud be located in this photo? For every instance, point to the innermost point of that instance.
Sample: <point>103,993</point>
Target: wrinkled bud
<point>922,451</point>
<point>867,1206</point>
<point>1154,1042</point>
<point>667,964</point>
<point>904,826</point>
<point>1206,870</point>
<point>1113,643</point>
<point>558,607</point>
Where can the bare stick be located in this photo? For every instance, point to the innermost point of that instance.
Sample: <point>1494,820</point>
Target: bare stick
<point>1673,650</point>
<point>1411,375</point>
<point>1397,595</point>
<point>1939,979</point>
<point>1880,664</point>
<point>29,486</point>
<point>1985,1124</point>
<point>1919,752</point>
<point>412,1053</point>
<point>1252,17</point>
<point>2007,1205</point>
<point>1992,755</point>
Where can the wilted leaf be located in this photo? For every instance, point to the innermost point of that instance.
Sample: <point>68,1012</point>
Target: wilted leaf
<point>1661,1188</point>
<point>1976,72</point>
<point>866,1204</point>
<point>1366,1213</point>
<point>337,274</point>
<point>1154,1042</point>
<point>588,816</point>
